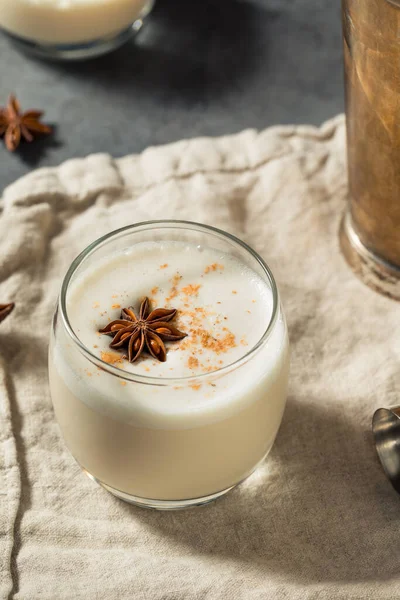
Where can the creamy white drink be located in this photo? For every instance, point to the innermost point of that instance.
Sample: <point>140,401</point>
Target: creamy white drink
<point>68,21</point>
<point>196,424</point>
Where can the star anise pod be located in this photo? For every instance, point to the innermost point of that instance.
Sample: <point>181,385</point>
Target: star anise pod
<point>15,125</point>
<point>148,331</point>
<point>5,310</point>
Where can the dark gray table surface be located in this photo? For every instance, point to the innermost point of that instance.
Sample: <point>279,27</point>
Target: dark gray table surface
<point>198,67</point>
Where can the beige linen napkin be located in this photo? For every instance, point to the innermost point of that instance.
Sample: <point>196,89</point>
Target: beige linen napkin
<point>318,519</point>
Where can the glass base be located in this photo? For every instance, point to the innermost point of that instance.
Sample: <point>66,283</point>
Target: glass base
<point>83,50</point>
<point>159,504</point>
<point>374,271</point>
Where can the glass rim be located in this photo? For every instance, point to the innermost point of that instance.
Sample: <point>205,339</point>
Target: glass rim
<point>165,224</point>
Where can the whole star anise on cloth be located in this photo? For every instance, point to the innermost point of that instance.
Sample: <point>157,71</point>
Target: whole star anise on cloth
<point>5,310</point>
<point>15,125</point>
<point>148,331</point>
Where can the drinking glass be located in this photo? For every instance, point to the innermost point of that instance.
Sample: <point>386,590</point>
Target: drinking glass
<point>370,229</point>
<point>175,456</point>
<point>76,30</point>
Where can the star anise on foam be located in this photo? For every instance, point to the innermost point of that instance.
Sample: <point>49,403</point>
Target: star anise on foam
<point>148,331</point>
<point>5,310</point>
<point>15,125</point>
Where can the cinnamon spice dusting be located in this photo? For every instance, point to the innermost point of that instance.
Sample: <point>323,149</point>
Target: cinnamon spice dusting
<point>213,267</point>
<point>111,358</point>
<point>191,290</point>
<point>206,340</point>
<point>193,362</point>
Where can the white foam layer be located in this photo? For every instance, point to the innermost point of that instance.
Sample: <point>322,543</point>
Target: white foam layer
<point>232,303</point>
<point>214,294</point>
